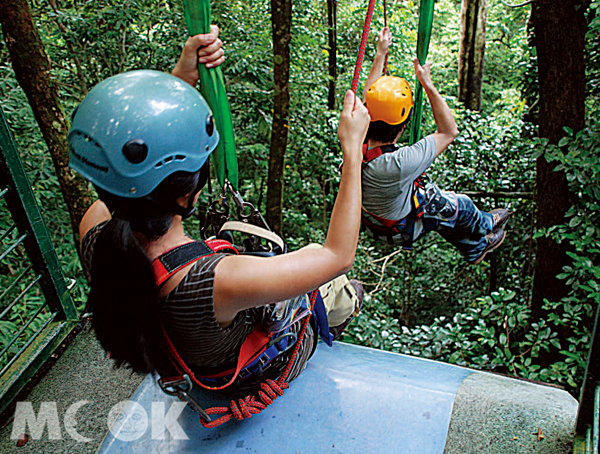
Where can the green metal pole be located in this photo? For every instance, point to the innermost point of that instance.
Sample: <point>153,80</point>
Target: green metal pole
<point>212,87</point>
<point>424,36</point>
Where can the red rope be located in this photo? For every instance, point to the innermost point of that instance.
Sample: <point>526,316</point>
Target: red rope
<point>269,390</point>
<point>385,65</point>
<point>363,45</point>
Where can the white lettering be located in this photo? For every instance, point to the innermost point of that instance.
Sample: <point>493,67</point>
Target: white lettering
<point>71,422</point>
<point>160,421</point>
<point>25,417</point>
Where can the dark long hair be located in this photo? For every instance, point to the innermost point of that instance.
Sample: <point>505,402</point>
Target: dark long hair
<point>124,296</point>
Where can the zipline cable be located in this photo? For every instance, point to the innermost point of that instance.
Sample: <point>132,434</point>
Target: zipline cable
<point>212,87</point>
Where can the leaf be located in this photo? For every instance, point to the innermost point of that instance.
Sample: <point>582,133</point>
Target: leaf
<point>502,338</point>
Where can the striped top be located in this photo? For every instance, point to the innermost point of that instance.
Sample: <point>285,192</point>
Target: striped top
<point>189,319</point>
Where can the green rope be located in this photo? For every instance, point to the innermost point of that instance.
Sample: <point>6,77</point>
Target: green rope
<point>424,36</point>
<point>212,87</point>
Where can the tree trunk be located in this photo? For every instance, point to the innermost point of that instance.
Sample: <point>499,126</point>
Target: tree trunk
<point>281,18</point>
<point>32,69</point>
<point>559,27</point>
<point>471,52</point>
<point>332,33</point>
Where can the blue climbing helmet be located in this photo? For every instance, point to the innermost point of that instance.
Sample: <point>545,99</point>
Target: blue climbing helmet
<point>136,128</point>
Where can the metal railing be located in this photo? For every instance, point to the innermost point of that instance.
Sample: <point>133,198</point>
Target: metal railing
<point>36,309</point>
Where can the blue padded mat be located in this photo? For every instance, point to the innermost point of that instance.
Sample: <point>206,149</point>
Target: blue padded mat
<point>349,399</point>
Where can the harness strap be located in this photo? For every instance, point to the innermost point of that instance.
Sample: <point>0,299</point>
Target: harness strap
<point>251,229</point>
<point>252,347</point>
<point>373,153</point>
<point>270,389</point>
<point>179,257</point>
<point>258,349</point>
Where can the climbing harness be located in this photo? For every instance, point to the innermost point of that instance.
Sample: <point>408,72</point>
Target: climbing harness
<point>399,231</point>
<point>240,408</point>
<point>261,346</point>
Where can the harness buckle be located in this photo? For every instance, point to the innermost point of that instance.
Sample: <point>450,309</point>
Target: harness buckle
<point>180,387</point>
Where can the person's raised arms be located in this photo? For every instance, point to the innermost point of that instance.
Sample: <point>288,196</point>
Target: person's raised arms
<point>384,41</point>
<point>242,282</point>
<point>207,49</point>
<point>444,120</point>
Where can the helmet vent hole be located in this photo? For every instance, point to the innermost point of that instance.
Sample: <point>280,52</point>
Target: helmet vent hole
<point>177,157</point>
<point>210,125</point>
<point>403,111</point>
<point>135,151</point>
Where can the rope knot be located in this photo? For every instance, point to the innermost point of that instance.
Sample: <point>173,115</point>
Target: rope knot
<point>270,390</point>
<point>245,408</point>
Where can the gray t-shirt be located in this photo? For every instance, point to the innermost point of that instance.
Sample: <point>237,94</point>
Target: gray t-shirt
<point>387,180</point>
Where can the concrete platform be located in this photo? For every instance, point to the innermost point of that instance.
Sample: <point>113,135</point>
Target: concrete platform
<point>350,399</point>
<point>353,399</point>
<point>77,394</point>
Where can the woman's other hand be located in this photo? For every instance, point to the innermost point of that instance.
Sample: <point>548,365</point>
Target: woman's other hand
<point>207,49</point>
<point>352,129</point>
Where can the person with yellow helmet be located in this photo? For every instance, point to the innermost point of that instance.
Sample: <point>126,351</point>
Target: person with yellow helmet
<point>397,206</point>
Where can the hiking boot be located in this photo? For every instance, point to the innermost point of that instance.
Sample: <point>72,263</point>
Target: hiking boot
<point>494,239</point>
<point>360,295</point>
<point>500,217</point>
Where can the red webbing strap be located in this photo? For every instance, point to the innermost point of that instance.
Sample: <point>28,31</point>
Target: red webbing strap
<point>162,272</point>
<point>387,223</point>
<point>269,389</point>
<point>363,45</point>
<point>370,153</point>
<point>255,343</point>
<point>221,245</point>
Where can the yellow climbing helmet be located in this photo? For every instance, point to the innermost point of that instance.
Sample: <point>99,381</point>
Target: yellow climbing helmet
<point>389,99</point>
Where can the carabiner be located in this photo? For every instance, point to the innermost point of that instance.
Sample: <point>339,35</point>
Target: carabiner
<point>180,387</point>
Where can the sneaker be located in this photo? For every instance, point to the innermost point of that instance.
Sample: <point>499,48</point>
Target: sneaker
<point>494,239</point>
<point>500,217</point>
<point>360,294</point>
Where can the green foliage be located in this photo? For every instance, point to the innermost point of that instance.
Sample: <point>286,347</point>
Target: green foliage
<point>495,333</point>
<point>592,53</point>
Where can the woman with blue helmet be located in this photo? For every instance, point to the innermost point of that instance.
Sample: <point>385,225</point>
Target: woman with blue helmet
<point>144,138</point>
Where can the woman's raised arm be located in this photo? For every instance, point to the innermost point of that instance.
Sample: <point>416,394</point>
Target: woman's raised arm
<point>242,282</point>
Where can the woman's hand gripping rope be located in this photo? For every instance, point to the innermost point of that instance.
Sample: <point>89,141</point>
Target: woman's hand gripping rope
<point>207,49</point>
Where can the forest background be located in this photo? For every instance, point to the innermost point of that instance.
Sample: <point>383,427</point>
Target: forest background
<point>428,303</point>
